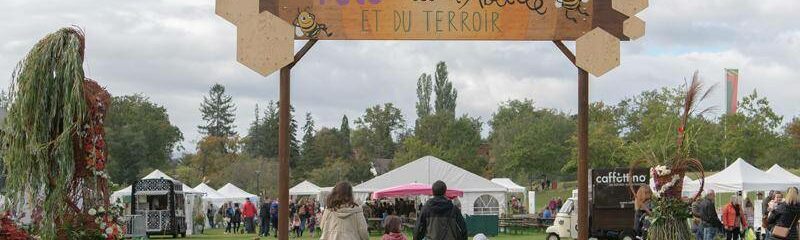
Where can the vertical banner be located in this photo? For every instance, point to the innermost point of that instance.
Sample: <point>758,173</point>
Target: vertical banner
<point>732,86</point>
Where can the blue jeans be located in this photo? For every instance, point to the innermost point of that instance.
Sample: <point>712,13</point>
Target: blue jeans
<point>698,232</point>
<point>709,233</point>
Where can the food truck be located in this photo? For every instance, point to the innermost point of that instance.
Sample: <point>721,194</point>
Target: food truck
<point>160,203</point>
<point>611,210</point>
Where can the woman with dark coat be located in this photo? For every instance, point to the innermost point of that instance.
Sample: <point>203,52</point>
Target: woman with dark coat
<point>786,214</point>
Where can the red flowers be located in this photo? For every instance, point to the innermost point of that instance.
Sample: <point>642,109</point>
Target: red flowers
<point>10,231</point>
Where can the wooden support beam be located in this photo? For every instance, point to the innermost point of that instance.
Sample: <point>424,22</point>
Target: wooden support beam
<point>283,141</point>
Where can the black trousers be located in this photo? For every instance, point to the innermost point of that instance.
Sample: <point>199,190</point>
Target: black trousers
<point>733,234</point>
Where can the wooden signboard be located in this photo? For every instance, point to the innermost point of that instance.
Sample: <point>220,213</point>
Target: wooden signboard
<point>266,27</point>
<point>436,19</point>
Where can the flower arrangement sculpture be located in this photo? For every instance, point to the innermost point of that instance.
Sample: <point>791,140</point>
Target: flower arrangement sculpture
<point>669,212</point>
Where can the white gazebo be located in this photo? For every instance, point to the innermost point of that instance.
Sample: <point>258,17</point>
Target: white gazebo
<point>210,196</point>
<point>510,185</point>
<point>232,193</point>
<point>306,188</point>
<point>741,176</point>
<point>481,196</point>
<point>777,171</point>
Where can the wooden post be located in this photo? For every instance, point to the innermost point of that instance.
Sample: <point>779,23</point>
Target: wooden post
<point>583,154</point>
<point>283,155</point>
<point>583,143</point>
<point>283,142</point>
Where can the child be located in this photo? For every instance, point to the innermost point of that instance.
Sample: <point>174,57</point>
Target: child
<point>296,226</point>
<point>393,229</point>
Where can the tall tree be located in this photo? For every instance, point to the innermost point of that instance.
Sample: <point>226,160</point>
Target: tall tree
<point>344,131</point>
<point>218,113</point>
<point>527,141</point>
<point>424,91</point>
<point>607,149</point>
<point>793,130</point>
<point>139,136</point>
<point>752,133</point>
<point>445,93</point>
<point>376,128</point>
<point>262,137</point>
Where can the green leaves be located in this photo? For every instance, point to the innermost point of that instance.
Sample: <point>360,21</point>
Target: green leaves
<point>218,113</point>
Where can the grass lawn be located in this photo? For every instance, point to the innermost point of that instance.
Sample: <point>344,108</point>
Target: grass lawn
<point>218,234</point>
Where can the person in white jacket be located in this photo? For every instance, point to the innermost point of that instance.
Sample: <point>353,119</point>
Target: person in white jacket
<point>343,219</point>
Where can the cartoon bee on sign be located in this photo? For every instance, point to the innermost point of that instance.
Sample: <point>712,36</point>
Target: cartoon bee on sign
<point>306,25</point>
<point>572,6</point>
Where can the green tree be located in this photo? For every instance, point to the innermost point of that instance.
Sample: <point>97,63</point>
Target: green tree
<point>793,130</point>
<point>376,129</point>
<point>445,93</point>
<point>139,136</point>
<point>606,147</point>
<point>210,161</point>
<point>752,133</point>
<point>262,136</point>
<point>344,131</point>
<point>218,113</point>
<point>527,141</point>
<point>424,91</point>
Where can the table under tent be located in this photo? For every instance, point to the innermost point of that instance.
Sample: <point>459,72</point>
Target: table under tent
<point>514,191</point>
<point>192,200</point>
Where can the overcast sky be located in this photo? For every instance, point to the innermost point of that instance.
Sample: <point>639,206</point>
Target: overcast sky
<point>174,50</point>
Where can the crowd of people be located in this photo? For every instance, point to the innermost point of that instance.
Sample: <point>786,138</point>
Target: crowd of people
<point>344,219</point>
<point>248,218</point>
<point>780,211</point>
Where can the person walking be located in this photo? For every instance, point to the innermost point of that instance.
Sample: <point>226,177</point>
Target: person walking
<point>249,213</point>
<point>343,219</point>
<point>707,212</point>
<point>312,219</point>
<point>210,215</point>
<point>785,215</point>
<point>440,218</point>
<point>273,212</point>
<point>228,217</point>
<point>734,219</point>
<point>236,218</point>
<point>263,218</point>
<point>642,206</point>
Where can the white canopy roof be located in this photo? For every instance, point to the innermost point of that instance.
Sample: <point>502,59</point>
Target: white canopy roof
<point>778,171</point>
<point>741,176</point>
<point>510,185</point>
<point>305,188</point>
<point>428,170</point>
<point>210,193</point>
<point>232,191</point>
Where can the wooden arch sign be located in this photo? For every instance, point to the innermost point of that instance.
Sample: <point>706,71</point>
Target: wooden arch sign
<point>267,28</point>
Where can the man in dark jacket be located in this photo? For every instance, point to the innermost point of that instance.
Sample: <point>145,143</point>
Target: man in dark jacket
<point>440,219</point>
<point>707,212</point>
<point>263,217</point>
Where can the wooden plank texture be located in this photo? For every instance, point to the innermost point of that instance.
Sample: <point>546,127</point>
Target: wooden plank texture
<point>436,19</point>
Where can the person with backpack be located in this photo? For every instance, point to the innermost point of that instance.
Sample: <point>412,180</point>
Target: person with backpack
<point>263,217</point>
<point>273,213</point>
<point>236,218</point>
<point>440,218</point>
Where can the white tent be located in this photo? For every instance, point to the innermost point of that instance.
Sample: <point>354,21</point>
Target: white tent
<point>305,188</point>
<point>510,185</point>
<point>777,171</point>
<point>232,193</point>
<point>690,187</point>
<point>427,170</point>
<point>210,195</point>
<point>741,176</point>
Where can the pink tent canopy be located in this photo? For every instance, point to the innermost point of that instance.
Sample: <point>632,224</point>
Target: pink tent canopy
<point>413,189</point>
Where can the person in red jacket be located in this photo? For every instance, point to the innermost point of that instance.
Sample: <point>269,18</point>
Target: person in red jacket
<point>733,219</point>
<point>249,213</point>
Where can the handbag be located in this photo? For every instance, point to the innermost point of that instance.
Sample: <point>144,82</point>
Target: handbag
<point>782,232</point>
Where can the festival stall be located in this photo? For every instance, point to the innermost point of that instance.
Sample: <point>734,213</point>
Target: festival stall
<point>306,189</point>
<point>192,198</point>
<point>234,194</point>
<point>515,192</point>
<point>777,171</point>
<point>741,176</point>
<point>481,196</point>
<point>210,196</point>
